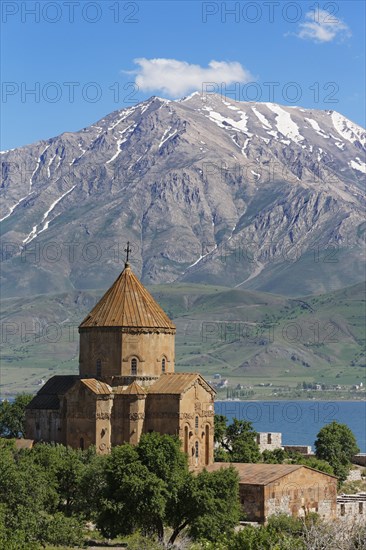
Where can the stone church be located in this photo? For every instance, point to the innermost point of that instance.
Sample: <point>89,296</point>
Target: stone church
<point>126,384</point>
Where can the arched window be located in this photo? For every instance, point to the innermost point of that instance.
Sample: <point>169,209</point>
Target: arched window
<point>196,449</point>
<point>99,368</point>
<point>163,365</point>
<point>196,423</point>
<point>186,439</point>
<point>207,444</point>
<point>82,443</point>
<point>134,366</point>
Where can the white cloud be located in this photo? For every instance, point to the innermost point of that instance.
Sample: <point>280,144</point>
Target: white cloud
<point>176,78</point>
<point>322,26</point>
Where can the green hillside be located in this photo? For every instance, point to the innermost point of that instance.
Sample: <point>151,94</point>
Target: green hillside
<point>248,337</point>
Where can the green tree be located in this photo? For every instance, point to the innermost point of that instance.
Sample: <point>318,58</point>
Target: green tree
<point>60,530</point>
<point>220,428</point>
<point>149,488</point>
<point>242,439</point>
<point>38,487</point>
<point>207,505</point>
<point>12,416</point>
<point>65,468</point>
<point>91,485</point>
<point>216,504</point>
<point>317,464</point>
<point>238,443</point>
<point>134,498</point>
<point>277,456</point>
<point>264,538</point>
<point>336,444</point>
<point>25,495</point>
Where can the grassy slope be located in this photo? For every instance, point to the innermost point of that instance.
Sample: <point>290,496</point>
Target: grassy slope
<point>248,336</point>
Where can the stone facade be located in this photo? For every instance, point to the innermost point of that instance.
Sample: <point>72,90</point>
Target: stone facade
<point>359,459</point>
<point>126,384</point>
<point>352,508</point>
<point>269,441</point>
<point>108,353</point>
<point>301,449</point>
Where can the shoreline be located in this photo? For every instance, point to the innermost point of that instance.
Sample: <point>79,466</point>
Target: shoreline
<point>291,399</point>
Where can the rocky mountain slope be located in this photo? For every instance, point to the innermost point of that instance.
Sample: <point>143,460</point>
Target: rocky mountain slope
<point>207,189</point>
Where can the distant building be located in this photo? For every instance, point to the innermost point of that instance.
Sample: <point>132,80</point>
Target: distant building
<point>295,490</point>
<point>126,384</point>
<point>269,441</point>
<point>359,459</point>
<point>352,508</point>
<point>301,449</point>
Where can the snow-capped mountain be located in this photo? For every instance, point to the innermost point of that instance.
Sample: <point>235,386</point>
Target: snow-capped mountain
<point>207,189</point>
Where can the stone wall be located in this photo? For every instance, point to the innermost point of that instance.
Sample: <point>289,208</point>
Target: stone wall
<point>196,425</point>
<point>300,492</point>
<point>302,449</point>
<point>359,459</point>
<point>352,508</point>
<point>295,494</point>
<point>252,502</point>
<point>44,425</point>
<point>354,475</point>
<point>269,441</point>
<point>107,352</point>
<point>103,346</point>
<point>162,414</point>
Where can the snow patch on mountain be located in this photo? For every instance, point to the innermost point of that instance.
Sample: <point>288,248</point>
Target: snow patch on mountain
<point>273,133</point>
<point>187,97</point>
<point>164,139</point>
<point>34,233</point>
<point>15,205</point>
<point>49,165</point>
<point>285,125</point>
<point>224,122</point>
<point>122,140</point>
<point>316,127</point>
<point>340,145</point>
<point>357,164</point>
<point>202,256</point>
<point>39,160</point>
<point>347,129</point>
<point>126,113</point>
<point>261,118</point>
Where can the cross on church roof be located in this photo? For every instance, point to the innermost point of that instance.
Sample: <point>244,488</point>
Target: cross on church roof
<point>127,250</point>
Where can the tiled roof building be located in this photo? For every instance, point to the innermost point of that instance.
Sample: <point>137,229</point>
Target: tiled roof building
<point>292,489</point>
<point>126,384</point>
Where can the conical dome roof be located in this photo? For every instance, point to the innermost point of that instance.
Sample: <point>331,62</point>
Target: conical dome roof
<point>128,304</point>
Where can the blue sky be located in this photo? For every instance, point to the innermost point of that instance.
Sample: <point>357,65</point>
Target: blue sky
<point>84,59</point>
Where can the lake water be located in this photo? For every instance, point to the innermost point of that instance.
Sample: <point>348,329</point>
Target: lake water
<point>298,421</point>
